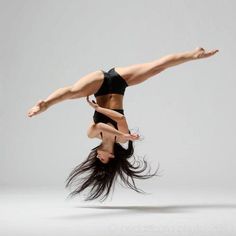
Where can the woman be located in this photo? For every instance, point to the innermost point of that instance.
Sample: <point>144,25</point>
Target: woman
<point>110,159</point>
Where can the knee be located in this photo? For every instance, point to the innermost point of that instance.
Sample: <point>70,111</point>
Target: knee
<point>75,92</point>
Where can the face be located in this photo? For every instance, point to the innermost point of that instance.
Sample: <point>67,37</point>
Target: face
<point>104,156</point>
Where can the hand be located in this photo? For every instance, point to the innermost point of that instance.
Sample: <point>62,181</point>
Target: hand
<point>131,137</point>
<point>38,108</point>
<point>201,53</point>
<point>93,103</point>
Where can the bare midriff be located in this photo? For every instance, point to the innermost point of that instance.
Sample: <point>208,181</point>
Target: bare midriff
<point>110,101</point>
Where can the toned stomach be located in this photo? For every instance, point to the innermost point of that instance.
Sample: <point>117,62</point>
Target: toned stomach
<point>110,101</point>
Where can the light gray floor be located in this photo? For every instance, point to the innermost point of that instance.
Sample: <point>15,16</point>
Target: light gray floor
<point>165,212</point>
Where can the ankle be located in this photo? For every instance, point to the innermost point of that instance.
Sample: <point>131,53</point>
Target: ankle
<point>46,104</point>
<point>189,55</point>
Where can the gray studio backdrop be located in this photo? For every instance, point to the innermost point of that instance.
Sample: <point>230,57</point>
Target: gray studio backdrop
<point>186,114</point>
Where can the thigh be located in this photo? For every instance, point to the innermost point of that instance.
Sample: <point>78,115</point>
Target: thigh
<point>88,84</point>
<point>138,73</point>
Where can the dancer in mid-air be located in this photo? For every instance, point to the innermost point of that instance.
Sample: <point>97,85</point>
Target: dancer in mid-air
<point>110,159</point>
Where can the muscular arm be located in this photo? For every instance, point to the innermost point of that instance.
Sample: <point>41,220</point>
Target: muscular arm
<point>114,115</point>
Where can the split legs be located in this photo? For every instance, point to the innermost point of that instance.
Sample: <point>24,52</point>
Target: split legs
<point>133,74</point>
<point>138,73</point>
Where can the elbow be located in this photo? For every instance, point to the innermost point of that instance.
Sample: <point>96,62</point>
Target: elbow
<point>121,118</point>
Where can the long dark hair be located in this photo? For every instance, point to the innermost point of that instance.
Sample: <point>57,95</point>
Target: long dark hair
<point>102,176</point>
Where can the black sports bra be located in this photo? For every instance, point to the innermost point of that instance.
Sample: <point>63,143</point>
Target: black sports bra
<point>99,117</point>
<point>112,83</point>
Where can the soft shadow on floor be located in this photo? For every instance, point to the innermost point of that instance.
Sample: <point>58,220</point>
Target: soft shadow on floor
<point>163,209</point>
<point>108,211</point>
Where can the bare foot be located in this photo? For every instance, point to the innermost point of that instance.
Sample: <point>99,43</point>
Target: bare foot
<point>201,53</point>
<point>38,108</point>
